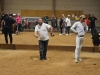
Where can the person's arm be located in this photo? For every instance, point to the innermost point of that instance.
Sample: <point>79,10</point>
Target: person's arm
<point>51,29</point>
<point>16,20</point>
<point>2,24</point>
<point>13,24</point>
<point>13,27</point>
<point>36,32</point>
<point>73,28</point>
<point>96,20</point>
<point>85,28</point>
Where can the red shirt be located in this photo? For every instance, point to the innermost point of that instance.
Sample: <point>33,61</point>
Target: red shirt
<point>87,22</point>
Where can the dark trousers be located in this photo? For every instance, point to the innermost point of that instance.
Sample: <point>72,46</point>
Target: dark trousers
<point>68,30</point>
<point>46,22</point>
<point>92,29</point>
<point>18,27</point>
<point>89,27</point>
<point>8,31</point>
<point>43,48</point>
<point>27,26</point>
<point>61,28</point>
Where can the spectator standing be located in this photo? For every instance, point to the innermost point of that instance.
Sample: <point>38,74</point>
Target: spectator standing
<point>93,21</point>
<point>87,23</point>
<point>60,26</point>
<point>8,27</point>
<point>46,19</point>
<point>18,21</point>
<point>64,23</point>
<point>53,22</point>
<point>68,25</point>
<point>2,17</point>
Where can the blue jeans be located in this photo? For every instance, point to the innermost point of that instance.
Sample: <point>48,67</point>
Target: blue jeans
<point>43,48</point>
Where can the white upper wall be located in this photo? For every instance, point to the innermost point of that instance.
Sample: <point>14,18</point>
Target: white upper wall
<point>87,6</point>
<point>16,6</point>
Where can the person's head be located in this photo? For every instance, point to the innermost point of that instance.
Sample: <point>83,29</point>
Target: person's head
<point>82,18</point>
<point>5,15</point>
<point>45,14</point>
<point>18,15</point>
<point>92,15</point>
<point>63,15</point>
<point>53,16</point>
<point>36,21</point>
<point>89,15</point>
<point>68,16</point>
<point>14,15</point>
<point>40,21</point>
<point>11,15</point>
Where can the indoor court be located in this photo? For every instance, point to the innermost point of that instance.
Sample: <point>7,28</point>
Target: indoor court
<point>22,62</point>
<point>60,62</point>
<point>28,38</point>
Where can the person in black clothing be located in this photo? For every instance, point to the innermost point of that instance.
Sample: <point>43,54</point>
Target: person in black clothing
<point>2,17</point>
<point>95,38</point>
<point>8,27</point>
<point>61,26</point>
<point>35,24</point>
<point>92,23</point>
<point>46,18</point>
<point>53,22</point>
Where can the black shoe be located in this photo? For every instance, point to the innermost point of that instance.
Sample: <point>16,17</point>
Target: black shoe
<point>45,58</point>
<point>41,58</point>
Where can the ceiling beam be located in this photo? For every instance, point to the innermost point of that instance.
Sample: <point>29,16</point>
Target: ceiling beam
<point>53,7</point>
<point>1,5</point>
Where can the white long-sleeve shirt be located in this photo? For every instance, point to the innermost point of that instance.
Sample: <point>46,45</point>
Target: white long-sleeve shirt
<point>79,27</point>
<point>68,21</point>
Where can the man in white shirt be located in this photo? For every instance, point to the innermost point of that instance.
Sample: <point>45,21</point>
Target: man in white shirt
<point>68,25</point>
<point>41,32</point>
<point>79,28</point>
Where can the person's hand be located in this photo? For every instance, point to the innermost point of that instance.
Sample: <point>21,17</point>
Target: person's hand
<point>36,36</point>
<point>85,33</point>
<point>1,28</point>
<point>76,33</point>
<point>52,34</point>
<point>13,30</point>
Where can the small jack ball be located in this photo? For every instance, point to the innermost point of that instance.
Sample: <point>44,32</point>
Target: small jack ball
<point>94,63</point>
<point>53,35</point>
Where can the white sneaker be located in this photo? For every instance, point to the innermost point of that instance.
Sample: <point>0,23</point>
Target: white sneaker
<point>76,60</point>
<point>80,59</point>
<point>13,34</point>
<point>60,34</point>
<point>63,33</point>
<point>66,34</point>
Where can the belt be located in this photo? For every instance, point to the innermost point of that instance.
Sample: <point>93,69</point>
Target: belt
<point>81,35</point>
